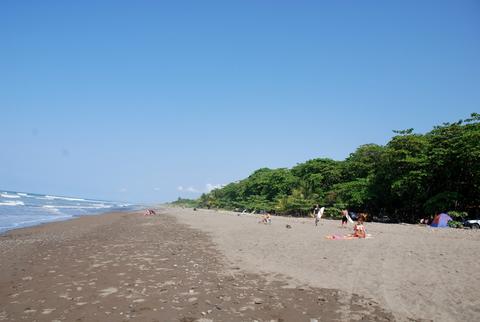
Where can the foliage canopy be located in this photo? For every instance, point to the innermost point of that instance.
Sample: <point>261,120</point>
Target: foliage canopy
<point>413,175</point>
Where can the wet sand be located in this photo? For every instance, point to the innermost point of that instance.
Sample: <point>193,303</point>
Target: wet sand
<point>128,267</point>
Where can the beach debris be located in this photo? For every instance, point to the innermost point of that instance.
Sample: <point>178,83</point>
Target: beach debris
<point>288,226</point>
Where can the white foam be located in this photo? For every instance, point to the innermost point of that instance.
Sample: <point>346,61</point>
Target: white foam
<point>63,198</point>
<point>23,194</point>
<point>52,209</point>
<point>12,203</point>
<point>94,206</point>
<point>7,195</point>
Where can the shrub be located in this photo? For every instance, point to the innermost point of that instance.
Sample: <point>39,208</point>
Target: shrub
<point>333,213</point>
<point>455,224</point>
<point>458,215</point>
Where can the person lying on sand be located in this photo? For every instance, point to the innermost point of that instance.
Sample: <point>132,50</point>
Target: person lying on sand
<point>149,212</point>
<point>266,219</point>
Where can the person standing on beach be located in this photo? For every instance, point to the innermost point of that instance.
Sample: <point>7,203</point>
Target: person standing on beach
<point>315,211</point>
<point>318,212</point>
<point>344,217</point>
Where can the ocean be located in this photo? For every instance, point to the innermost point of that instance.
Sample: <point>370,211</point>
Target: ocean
<point>21,209</point>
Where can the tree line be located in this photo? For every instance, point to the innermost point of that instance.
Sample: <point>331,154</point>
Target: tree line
<point>412,176</point>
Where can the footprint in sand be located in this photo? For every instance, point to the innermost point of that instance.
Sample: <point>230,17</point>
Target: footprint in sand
<point>139,300</point>
<point>47,311</point>
<point>29,310</point>
<point>108,291</point>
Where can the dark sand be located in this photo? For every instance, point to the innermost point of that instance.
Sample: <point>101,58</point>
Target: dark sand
<point>128,267</point>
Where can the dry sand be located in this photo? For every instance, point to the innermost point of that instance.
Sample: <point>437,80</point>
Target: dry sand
<point>416,272</point>
<point>128,267</point>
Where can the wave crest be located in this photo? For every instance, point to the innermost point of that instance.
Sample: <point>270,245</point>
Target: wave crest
<point>12,203</point>
<point>7,195</point>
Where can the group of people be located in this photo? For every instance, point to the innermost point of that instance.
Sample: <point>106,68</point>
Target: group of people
<point>358,228</point>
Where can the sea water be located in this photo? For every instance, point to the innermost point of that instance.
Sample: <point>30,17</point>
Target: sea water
<point>21,209</point>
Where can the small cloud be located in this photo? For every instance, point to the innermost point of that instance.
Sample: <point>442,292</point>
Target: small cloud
<point>191,189</point>
<point>156,189</point>
<point>123,189</point>
<point>209,187</point>
<point>188,189</point>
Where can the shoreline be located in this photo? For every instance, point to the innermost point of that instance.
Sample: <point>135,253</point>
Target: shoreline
<point>70,217</point>
<point>127,267</point>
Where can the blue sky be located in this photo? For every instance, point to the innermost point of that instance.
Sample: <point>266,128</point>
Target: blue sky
<point>145,101</point>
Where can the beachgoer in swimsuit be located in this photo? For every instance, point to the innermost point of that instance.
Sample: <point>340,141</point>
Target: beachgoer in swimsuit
<point>359,228</point>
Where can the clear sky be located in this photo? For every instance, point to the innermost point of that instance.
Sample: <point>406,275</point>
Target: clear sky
<point>145,101</point>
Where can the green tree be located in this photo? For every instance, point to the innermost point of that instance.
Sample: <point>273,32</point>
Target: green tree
<point>398,186</point>
<point>317,176</point>
<point>411,175</point>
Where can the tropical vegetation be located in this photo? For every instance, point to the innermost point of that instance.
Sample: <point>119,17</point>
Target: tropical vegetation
<point>412,176</point>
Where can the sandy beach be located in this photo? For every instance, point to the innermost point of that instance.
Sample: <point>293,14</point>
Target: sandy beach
<point>185,265</point>
<point>413,271</point>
